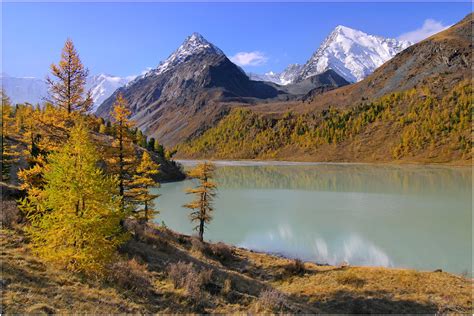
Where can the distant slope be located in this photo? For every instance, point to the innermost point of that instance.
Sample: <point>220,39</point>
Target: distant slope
<point>415,108</point>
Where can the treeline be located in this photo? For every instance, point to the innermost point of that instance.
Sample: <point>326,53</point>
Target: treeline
<point>84,177</point>
<point>417,120</point>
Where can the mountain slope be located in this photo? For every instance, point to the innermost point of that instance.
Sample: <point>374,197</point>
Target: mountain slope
<point>415,108</point>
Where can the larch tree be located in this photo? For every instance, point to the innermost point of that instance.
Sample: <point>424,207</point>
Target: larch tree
<point>202,206</point>
<point>141,184</point>
<point>122,158</point>
<point>78,225</point>
<point>68,90</point>
<point>9,149</point>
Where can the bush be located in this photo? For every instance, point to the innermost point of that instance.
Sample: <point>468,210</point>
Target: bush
<point>197,245</point>
<point>186,276</point>
<point>296,267</point>
<point>221,251</point>
<point>227,288</point>
<point>351,278</point>
<point>179,273</point>
<point>272,300</point>
<point>130,275</point>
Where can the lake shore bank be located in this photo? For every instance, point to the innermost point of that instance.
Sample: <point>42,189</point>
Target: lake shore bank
<point>238,279</point>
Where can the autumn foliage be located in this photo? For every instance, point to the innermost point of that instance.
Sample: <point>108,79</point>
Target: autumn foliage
<point>202,206</point>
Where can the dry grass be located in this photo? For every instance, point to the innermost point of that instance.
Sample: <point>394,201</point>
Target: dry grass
<point>248,282</point>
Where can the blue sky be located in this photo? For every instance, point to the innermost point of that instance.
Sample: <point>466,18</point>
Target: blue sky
<point>126,38</point>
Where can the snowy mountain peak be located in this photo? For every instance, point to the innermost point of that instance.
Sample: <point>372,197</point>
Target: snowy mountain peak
<point>103,85</point>
<point>351,53</point>
<point>192,45</point>
<point>285,77</point>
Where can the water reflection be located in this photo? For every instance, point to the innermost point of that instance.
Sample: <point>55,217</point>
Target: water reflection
<point>347,178</point>
<point>406,216</point>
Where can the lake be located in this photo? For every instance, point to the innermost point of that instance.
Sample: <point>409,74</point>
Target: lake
<point>378,215</point>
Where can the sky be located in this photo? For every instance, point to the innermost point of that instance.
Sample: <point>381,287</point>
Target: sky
<point>125,39</point>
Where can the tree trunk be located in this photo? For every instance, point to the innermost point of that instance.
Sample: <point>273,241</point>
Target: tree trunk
<point>201,230</point>
<point>146,211</point>
<point>121,169</point>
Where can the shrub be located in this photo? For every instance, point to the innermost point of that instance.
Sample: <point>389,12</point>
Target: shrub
<point>350,278</point>
<point>227,288</point>
<point>272,300</point>
<point>179,272</point>
<point>221,251</point>
<point>186,276</point>
<point>296,267</point>
<point>130,275</point>
<point>197,245</point>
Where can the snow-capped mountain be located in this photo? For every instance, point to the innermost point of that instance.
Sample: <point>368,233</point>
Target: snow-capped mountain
<point>285,77</point>
<point>23,89</point>
<point>34,90</point>
<point>102,86</point>
<point>351,53</point>
<point>195,44</point>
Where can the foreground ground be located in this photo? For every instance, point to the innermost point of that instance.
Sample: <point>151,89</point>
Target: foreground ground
<point>222,279</point>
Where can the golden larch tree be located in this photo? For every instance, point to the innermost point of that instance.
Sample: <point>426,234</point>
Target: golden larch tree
<point>68,90</point>
<point>202,206</point>
<point>9,148</point>
<point>122,158</point>
<point>141,184</point>
<point>78,225</point>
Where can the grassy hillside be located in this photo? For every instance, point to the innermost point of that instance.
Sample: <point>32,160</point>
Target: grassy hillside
<point>153,275</point>
<point>411,126</point>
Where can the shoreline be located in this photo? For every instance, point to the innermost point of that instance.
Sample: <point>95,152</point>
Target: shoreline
<point>258,162</point>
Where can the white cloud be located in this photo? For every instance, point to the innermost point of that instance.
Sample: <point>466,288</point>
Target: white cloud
<point>254,58</point>
<point>429,28</point>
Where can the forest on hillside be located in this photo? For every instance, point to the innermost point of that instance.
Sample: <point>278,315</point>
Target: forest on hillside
<point>414,125</point>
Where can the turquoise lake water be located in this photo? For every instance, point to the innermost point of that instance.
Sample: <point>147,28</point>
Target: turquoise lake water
<point>398,216</point>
